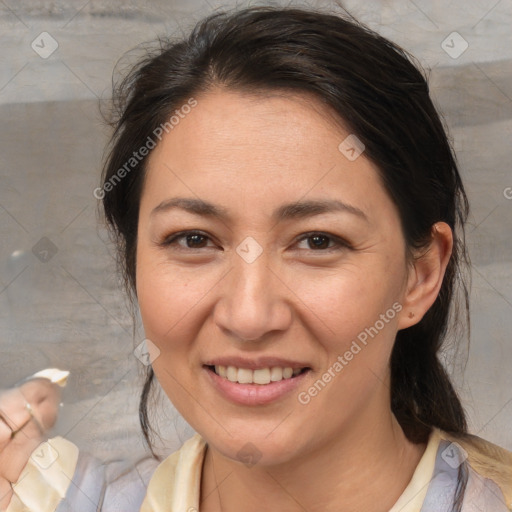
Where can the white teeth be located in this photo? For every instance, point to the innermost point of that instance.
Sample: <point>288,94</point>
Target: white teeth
<point>276,374</point>
<point>232,374</point>
<point>260,376</point>
<point>244,376</point>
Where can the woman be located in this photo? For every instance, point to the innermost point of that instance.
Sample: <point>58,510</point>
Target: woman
<point>289,215</point>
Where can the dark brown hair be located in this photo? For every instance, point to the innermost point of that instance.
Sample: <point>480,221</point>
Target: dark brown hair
<point>380,94</point>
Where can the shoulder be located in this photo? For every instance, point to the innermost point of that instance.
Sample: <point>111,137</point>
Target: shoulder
<point>107,486</point>
<point>175,484</point>
<point>490,464</point>
<point>127,485</point>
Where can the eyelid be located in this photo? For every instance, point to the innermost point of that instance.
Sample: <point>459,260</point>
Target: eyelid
<point>174,237</point>
<point>338,242</point>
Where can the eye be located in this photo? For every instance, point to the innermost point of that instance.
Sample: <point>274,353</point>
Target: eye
<point>187,240</point>
<point>323,242</point>
<point>316,241</point>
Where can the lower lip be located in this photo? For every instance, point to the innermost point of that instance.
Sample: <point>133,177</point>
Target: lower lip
<point>254,394</point>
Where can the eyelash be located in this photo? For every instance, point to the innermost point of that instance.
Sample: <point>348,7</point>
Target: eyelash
<point>339,244</point>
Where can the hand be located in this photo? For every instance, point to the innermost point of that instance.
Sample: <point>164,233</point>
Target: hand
<point>29,428</point>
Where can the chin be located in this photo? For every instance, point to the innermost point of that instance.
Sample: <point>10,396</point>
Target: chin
<point>254,445</point>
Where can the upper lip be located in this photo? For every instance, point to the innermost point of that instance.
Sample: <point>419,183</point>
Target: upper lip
<point>255,363</point>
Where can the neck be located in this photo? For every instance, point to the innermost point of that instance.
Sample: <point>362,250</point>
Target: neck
<point>367,468</point>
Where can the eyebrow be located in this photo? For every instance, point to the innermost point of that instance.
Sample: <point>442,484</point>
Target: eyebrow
<point>296,210</point>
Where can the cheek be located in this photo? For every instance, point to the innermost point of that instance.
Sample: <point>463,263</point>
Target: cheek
<point>171,299</point>
<point>356,314</point>
<point>345,303</point>
<point>170,305</point>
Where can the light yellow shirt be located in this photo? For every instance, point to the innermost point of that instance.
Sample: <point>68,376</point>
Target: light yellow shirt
<point>175,485</point>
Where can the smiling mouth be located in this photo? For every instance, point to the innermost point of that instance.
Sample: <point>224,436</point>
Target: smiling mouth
<point>260,376</point>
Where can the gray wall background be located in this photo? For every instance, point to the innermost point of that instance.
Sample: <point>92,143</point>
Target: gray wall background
<point>60,300</point>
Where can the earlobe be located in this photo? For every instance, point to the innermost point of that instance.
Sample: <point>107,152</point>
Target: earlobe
<point>426,275</point>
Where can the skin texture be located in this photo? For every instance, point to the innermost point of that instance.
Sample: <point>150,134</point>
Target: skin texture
<point>344,450</point>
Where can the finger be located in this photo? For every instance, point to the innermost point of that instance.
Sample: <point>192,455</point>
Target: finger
<point>5,431</point>
<point>6,421</point>
<point>16,450</point>
<point>16,454</point>
<point>5,493</point>
<point>15,429</point>
<point>13,409</point>
<point>44,397</point>
<point>5,435</point>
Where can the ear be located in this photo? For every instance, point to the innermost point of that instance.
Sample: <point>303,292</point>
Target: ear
<point>426,275</point>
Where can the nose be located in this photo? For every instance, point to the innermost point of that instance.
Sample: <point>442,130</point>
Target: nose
<point>253,301</point>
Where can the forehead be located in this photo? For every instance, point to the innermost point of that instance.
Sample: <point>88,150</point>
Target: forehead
<point>227,122</point>
<point>258,149</point>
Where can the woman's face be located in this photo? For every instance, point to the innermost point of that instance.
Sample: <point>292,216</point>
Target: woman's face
<point>296,260</point>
